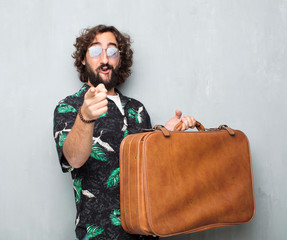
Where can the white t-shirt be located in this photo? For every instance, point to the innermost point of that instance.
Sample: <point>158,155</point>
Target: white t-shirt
<point>116,99</point>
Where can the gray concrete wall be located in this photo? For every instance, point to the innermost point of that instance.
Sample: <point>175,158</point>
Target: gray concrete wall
<point>223,61</point>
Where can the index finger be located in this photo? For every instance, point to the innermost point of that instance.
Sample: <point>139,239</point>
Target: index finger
<point>101,88</point>
<point>93,91</point>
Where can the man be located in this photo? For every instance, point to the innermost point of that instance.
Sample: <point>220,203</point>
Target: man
<point>90,125</point>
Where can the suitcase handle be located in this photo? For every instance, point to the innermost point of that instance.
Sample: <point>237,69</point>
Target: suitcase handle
<point>198,125</point>
<point>177,127</point>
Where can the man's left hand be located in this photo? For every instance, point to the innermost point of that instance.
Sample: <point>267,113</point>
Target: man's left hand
<point>187,122</point>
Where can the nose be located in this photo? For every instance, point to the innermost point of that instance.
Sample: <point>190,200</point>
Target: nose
<point>104,57</point>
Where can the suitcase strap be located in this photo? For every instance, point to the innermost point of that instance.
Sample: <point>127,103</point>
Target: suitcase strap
<point>162,128</point>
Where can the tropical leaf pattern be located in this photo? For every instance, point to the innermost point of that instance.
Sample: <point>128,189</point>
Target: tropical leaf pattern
<point>136,114</point>
<point>93,230</point>
<point>78,94</point>
<point>114,178</point>
<point>103,115</point>
<point>65,108</point>
<point>62,137</point>
<point>132,114</point>
<point>115,217</point>
<point>98,153</point>
<point>78,189</point>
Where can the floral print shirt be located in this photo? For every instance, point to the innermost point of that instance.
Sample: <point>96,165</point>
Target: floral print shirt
<point>96,183</point>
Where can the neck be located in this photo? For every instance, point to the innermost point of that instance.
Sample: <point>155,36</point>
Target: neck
<point>112,92</point>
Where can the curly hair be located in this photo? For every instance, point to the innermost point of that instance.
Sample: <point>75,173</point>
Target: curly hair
<point>85,39</point>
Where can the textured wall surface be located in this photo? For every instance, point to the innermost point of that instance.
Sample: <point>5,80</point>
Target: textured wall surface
<point>222,61</point>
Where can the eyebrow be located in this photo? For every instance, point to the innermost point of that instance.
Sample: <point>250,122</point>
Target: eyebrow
<point>109,44</point>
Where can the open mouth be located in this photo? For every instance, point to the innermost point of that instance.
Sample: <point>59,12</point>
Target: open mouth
<point>105,68</point>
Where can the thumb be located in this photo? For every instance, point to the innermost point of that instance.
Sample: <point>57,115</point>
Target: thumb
<point>178,114</point>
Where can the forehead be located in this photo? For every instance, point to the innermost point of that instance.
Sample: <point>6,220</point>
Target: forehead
<point>105,39</point>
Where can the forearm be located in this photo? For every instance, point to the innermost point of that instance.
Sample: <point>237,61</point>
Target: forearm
<point>78,144</point>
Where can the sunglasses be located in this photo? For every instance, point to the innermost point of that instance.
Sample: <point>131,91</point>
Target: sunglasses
<point>96,51</point>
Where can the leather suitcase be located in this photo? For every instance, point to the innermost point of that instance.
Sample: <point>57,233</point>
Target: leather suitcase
<point>175,182</point>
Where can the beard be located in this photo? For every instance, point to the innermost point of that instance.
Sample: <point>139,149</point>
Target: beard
<point>95,78</point>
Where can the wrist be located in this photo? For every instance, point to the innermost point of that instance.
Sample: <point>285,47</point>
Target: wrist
<point>82,117</point>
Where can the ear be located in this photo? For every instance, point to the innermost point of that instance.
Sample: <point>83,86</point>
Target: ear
<point>84,61</point>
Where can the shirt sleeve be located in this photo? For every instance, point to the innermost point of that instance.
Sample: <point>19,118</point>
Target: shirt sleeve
<point>64,118</point>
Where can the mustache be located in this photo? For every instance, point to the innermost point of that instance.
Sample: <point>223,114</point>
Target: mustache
<point>108,66</point>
